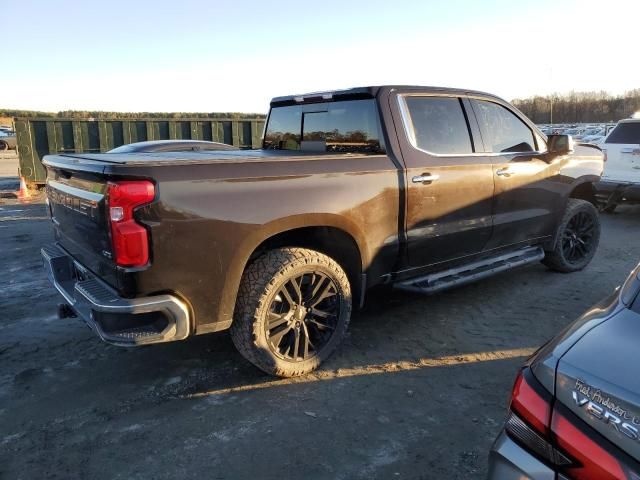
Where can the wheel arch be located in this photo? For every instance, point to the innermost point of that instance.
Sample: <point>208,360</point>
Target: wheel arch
<point>331,241</point>
<point>332,235</point>
<point>584,189</point>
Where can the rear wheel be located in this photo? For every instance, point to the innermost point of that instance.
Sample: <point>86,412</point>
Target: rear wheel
<point>4,146</point>
<point>577,238</point>
<point>293,310</point>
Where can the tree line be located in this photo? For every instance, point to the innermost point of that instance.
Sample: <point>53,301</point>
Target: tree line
<point>574,107</point>
<point>580,107</point>
<point>82,114</point>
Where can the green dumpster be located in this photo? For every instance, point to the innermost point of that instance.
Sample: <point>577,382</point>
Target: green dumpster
<point>37,137</point>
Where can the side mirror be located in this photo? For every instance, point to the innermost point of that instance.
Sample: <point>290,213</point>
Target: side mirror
<point>560,144</point>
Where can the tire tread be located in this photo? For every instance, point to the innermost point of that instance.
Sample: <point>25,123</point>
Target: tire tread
<point>260,278</point>
<point>554,259</point>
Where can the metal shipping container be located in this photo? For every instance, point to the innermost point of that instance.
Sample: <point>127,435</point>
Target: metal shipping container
<point>37,137</point>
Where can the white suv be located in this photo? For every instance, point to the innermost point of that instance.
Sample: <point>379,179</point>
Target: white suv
<point>621,178</point>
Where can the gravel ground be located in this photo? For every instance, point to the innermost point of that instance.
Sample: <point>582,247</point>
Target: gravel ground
<point>418,390</point>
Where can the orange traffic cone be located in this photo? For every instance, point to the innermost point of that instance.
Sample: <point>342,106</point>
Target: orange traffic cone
<point>23,193</point>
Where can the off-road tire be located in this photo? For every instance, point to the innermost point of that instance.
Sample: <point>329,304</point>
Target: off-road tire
<point>260,282</point>
<point>555,259</point>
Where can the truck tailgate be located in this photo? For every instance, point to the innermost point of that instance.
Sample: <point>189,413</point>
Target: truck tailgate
<point>77,202</point>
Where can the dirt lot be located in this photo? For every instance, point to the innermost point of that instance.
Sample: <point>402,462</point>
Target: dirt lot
<point>8,167</point>
<point>418,390</point>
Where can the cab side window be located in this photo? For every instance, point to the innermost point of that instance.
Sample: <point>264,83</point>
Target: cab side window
<point>438,125</point>
<point>502,130</point>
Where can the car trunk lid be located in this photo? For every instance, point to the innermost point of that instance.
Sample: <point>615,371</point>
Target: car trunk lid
<point>597,380</point>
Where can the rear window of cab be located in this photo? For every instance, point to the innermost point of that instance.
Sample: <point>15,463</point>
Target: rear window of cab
<point>350,126</point>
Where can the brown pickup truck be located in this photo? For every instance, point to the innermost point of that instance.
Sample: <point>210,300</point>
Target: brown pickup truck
<point>423,188</point>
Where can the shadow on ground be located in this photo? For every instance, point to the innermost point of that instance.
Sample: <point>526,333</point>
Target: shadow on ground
<point>418,389</point>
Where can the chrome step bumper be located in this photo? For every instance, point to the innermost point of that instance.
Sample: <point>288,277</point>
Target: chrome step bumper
<point>93,300</point>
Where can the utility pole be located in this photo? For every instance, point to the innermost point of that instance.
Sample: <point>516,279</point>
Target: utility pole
<point>551,98</point>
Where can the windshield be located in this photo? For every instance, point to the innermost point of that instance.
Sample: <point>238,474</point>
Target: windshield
<point>347,126</point>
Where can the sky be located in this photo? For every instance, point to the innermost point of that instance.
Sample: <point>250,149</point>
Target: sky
<point>221,56</point>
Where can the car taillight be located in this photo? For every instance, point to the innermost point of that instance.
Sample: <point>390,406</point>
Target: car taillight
<point>550,431</point>
<point>529,422</point>
<point>130,240</point>
<point>531,403</point>
<point>594,462</point>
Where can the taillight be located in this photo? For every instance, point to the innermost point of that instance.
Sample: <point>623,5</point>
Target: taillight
<point>594,461</point>
<point>552,432</point>
<point>529,422</point>
<point>130,240</point>
<point>531,403</point>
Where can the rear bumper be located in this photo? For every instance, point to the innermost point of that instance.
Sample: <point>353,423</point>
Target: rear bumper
<point>509,461</point>
<point>625,191</point>
<point>116,320</point>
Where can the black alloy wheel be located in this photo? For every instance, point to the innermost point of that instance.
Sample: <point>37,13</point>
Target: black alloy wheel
<point>578,237</point>
<point>292,311</point>
<point>302,316</point>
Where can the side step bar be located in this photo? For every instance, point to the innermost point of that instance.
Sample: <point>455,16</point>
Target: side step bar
<point>436,282</point>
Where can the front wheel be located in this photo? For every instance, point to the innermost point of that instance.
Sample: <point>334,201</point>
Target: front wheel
<point>577,238</point>
<point>292,311</point>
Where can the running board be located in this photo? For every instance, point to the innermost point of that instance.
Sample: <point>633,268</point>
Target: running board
<point>436,282</point>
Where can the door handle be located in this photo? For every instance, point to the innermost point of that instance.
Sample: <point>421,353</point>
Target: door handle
<point>504,172</point>
<point>424,178</point>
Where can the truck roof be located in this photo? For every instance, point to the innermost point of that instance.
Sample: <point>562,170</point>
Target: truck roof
<point>356,93</point>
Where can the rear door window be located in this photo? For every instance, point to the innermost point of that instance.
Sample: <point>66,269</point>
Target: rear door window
<point>625,133</point>
<point>502,130</point>
<point>438,125</point>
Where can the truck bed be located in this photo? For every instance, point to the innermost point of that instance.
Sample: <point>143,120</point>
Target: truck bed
<point>190,157</point>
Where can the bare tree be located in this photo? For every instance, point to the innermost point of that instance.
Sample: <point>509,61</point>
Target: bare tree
<point>580,107</point>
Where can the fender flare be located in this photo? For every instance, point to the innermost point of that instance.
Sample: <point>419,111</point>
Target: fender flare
<point>255,239</point>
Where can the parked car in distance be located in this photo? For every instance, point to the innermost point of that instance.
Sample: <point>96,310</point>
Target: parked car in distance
<point>7,141</point>
<point>575,406</point>
<point>574,132</point>
<point>589,132</point>
<point>620,181</point>
<point>423,188</point>
<point>594,139</point>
